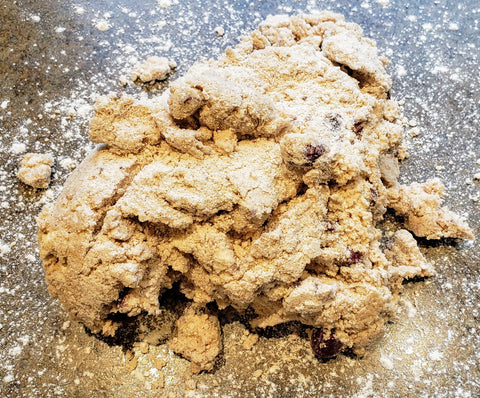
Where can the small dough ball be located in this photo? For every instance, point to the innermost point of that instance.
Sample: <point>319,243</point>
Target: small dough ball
<point>152,69</point>
<point>35,170</point>
<point>223,103</point>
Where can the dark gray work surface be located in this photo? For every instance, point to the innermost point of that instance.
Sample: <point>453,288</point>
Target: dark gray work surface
<point>56,58</point>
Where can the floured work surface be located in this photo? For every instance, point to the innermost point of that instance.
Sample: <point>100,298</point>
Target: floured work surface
<point>257,182</point>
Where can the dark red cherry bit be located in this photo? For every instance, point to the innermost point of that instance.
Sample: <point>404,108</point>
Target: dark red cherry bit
<point>313,152</point>
<point>354,257</point>
<point>374,194</point>
<point>358,128</point>
<point>329,226</point>
<point>325,348</point>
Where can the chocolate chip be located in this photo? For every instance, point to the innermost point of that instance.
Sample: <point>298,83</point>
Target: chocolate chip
<point>313,152</point>
<point>325,348</point>
<point>389,95</point>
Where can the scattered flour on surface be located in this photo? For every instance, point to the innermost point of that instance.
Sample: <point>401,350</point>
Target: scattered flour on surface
<point>383,3</point>
<point>79,10</point>
<point>102,25</point>
<point>4,248</point>
<point>164,3</point>
<point>435,355</point>
<point>18,148</point>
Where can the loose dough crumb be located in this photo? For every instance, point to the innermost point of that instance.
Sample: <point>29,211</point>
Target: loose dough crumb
<point>153,69</point>
<point>102,25</point>
<point>164,3</point>
<point>219,31</point>
<point>35,170</point>
<point>257,181</point>
<point>18,148</point>
<point>131,364</point>
<point>420,204</point>
<point>406,259</point>
<point>250,341</point>
<point>197,338</point>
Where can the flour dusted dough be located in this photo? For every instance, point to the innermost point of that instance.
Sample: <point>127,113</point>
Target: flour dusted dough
<point>257,181</point>
<point>197,336</point>
<point>153,69</point>
<point>35,170</point>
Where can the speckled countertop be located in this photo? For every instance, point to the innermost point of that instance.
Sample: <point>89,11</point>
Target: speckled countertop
<point>58,56</point>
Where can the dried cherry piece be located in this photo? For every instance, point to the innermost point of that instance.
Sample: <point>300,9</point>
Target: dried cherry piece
<point>358,128</point>
<point>329,226</point>
<point>374,194</point>
<point>313,152</point>
<point>325,348</point>
<point>354,257</point>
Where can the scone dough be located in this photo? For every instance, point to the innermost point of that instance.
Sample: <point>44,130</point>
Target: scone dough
<point>153,69</point>
<point>256,181</point>
<point>35,170</point>
<point>197,336</point>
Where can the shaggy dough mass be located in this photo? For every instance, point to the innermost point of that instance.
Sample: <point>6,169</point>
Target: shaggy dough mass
<point>257,180</point>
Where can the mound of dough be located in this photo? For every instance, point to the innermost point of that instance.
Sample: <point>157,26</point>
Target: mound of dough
<point>257,181</point>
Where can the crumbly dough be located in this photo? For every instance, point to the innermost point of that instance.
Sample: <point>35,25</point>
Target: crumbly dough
<point>406,259</point>
<point>153,69</point>
<point>420,205</point>
<point>197,336</point>
<point>257,181</point>
<point>35,170</point>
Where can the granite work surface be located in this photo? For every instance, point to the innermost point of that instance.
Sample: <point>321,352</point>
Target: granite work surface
<point>58,56</point>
